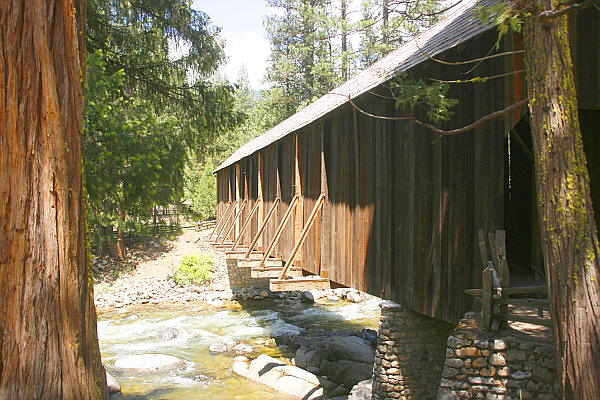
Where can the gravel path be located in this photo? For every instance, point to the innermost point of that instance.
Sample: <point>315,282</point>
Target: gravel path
<point>146,276</point>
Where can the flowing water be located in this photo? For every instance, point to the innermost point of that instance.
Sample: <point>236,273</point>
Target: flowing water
<point>206,375</point>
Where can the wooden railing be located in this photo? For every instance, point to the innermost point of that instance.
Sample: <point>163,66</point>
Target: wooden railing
<point>495,296</point>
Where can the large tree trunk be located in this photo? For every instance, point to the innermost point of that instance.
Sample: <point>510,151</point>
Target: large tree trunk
<point>48,340</point>
<point>568,229</point>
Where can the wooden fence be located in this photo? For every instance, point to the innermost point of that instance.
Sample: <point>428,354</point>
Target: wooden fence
<point>496,294</point>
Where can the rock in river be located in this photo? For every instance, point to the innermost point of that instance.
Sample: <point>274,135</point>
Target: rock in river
<point>281,377</point>
<point>149,362</point>
<point>351,348</point>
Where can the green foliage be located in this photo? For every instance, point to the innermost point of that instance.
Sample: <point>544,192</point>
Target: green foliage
<point>201,188</point>
<point>410,93</point>
<point>168,54</point>
<point>504,16</point>
<point>134,156</point>
<point>195,269</point>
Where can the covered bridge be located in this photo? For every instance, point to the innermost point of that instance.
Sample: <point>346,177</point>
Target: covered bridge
<point>397,208</point>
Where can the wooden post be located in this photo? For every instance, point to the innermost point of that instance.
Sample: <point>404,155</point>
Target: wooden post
<point>299,214</point>
<point>262,227</point>
<point>279,231</point>
<point>303,235</point>
<point>246,224</point>
<point>486,299</point>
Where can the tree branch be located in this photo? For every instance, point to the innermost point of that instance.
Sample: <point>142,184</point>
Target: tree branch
<point>475,60</point>
<point>479,79</point>
<point>570,8</point>
<point>435,129</point>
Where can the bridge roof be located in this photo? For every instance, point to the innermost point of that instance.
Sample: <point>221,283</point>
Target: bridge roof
<point>461,24</point>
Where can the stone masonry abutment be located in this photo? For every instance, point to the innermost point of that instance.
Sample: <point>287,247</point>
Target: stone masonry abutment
<point>410,354</point>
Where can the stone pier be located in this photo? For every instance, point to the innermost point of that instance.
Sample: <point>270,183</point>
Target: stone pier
<point>410,355</point>
<point>239,277</point>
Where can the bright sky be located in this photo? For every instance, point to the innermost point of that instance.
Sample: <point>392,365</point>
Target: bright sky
<point>241,23</point>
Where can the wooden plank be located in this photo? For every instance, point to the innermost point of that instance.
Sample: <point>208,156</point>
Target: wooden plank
<point>513,290</point>
<point>482,248</point>
<point>238,187</point>
<point>274,272</point>
<point>299,284</point>
<point>524,302</point>
<point>523,318</point>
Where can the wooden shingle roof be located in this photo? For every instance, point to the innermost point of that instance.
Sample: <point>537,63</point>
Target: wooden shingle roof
<point>461,24</point>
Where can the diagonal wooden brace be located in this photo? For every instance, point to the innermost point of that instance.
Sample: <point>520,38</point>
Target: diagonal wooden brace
<point>221,221</point>
<point>262,227</point>
<point>225,222</point>
<point>237,215</point>
<point>286,217</point>
<point>309,223</point>
<point>246,224</point>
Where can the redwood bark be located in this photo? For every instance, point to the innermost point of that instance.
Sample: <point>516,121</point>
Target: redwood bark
<point>48,340</point>
<point>568,230</point>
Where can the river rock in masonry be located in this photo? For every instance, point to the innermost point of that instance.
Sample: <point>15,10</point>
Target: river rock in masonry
<point>149,362</point>
<point>281,377</point>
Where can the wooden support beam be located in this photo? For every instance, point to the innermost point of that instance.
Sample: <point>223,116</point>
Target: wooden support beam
<point>282,224</point>
<point>273,272</point>
<point>308,283</point>
<point>303,235</point>
<point>262,227</point>
<point>231,212</point>
<point>220,223</point>
<point>245,226</point>
<point>233,223</point>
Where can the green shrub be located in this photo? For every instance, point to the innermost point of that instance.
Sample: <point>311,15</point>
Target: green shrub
<point>195,269</point>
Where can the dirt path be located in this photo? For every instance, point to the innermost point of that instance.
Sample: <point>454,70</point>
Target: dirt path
<point>146,276</point>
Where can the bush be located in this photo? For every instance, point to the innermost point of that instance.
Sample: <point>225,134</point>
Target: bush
<point>195,269</point>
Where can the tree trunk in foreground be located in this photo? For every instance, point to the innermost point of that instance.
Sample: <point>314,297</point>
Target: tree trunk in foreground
<point>568,229</point>
<point>48,340</point>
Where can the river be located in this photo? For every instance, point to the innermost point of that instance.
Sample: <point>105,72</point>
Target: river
<point>205,375</point>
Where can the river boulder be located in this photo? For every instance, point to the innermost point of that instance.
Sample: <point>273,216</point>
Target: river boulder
<point>350,348</point>
<point>281,377</point>
<point>149,362</point>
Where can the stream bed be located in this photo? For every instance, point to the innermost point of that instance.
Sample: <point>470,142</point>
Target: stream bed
<point>137,331</point>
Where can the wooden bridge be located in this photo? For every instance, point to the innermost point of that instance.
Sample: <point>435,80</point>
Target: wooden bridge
<point>333,196</point>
